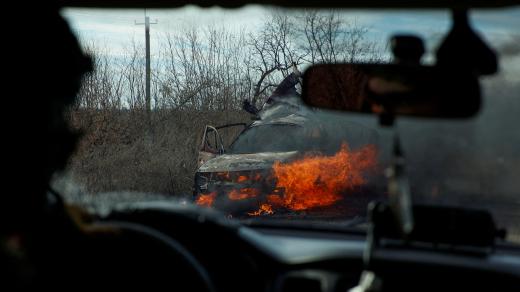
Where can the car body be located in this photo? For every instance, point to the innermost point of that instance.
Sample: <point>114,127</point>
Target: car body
<point>239,178</point>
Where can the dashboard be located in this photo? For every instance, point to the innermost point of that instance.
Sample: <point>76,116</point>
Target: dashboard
<point>243,258</point>
<point>309,260</point>
<point>332,262</point>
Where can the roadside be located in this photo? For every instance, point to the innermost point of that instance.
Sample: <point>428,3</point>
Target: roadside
<point>114,155</point>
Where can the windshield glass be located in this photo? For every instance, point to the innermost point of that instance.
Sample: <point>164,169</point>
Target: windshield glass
<point>162,76</point>
<point>259,139</point>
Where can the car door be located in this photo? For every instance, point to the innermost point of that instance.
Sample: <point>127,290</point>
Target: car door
<point>214,143</point>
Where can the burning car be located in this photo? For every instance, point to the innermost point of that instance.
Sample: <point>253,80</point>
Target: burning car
<point>291,159</point>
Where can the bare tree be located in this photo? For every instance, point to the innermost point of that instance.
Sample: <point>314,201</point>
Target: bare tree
<point>203,69</point>
<point>102,88</point>
<point>215,68</point>
<point>329,38</point>
<point>311,38</point>
<point>132,69</point>
<point>273,50</point>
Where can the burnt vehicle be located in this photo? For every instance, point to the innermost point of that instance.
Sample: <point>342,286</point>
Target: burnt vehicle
<point>242,178</point>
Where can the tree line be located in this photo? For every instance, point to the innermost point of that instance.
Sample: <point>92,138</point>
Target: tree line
<point>216,68</point>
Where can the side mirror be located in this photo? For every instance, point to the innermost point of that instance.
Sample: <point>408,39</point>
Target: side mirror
<point>392,89</point>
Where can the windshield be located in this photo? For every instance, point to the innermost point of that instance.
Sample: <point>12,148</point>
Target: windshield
<point>259,139</point>
<point>162,76</point>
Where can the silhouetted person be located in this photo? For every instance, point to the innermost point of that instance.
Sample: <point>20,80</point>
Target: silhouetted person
<point>42,244</point>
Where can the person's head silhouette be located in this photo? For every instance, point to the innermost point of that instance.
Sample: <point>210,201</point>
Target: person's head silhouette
<point>45,66</point>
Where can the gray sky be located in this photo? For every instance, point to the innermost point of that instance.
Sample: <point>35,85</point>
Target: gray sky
<point>114,29</point>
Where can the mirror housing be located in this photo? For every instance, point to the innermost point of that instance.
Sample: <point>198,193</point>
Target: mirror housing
<point>392,90</point>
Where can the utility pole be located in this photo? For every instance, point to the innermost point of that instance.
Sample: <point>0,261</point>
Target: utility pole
<point>147,38</point>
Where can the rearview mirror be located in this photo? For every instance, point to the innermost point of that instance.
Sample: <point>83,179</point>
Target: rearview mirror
<point>392,90</point>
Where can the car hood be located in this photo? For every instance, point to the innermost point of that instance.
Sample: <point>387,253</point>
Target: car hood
<point>250,161</point>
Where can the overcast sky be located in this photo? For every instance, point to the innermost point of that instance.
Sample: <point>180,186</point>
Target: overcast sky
<point>114,29</point>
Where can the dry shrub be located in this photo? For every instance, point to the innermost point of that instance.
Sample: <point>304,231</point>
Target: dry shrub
<point>119,153</point>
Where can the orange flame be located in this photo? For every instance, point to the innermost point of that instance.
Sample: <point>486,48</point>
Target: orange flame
<point>264,209</point>
<point>318,180</point>
<point>242,194</point>
<point>206,200</point>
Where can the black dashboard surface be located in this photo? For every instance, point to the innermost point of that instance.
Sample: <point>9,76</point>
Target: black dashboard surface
<point>284,259</point>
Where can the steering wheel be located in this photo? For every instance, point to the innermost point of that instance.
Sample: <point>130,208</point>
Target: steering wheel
<point>163,246</point>
<point>200,239</point>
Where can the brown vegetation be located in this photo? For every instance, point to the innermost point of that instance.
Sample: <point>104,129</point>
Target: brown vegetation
<point>117,154</point>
